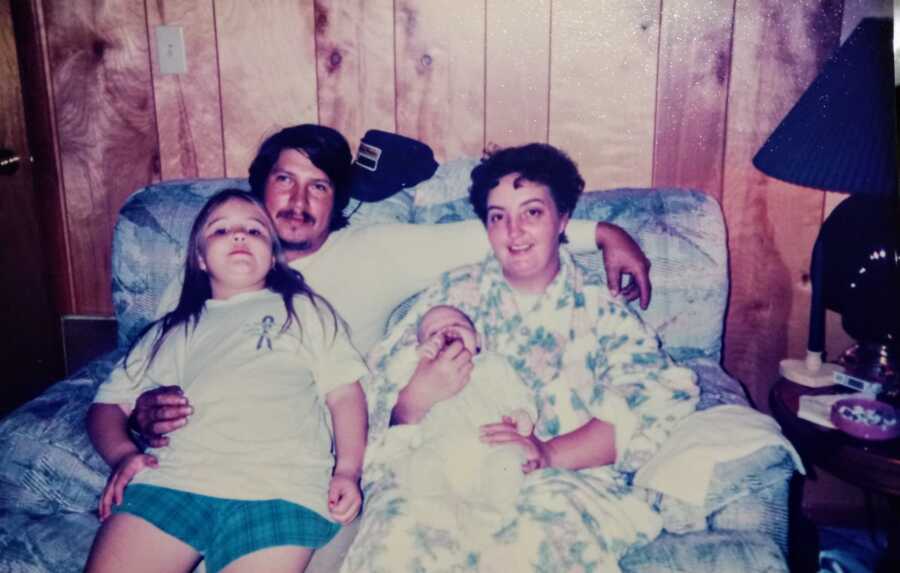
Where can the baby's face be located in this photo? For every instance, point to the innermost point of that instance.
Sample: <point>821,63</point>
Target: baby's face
<point>451,324</point>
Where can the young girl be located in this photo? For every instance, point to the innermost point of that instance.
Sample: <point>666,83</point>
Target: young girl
<point>248,483</point>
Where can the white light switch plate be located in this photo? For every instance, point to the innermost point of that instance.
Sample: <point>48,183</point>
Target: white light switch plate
<point>170,48</point>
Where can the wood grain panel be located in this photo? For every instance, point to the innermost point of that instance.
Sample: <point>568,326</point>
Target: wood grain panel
<point>440,74</point>
<point>188,111</point>
<point>355,61</point>
<point>856,10</point>
<point>603,87</point>
<point>107,137</point>
<point>778,49</point>
<point>267,67</point>
<point>517,78</point>
<point>692,95</point>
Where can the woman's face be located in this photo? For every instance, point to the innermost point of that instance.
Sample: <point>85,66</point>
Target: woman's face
<point>523,227</point>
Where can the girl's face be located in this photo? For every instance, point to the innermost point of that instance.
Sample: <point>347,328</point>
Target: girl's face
<point>523,227</point>
<point>236,248</point>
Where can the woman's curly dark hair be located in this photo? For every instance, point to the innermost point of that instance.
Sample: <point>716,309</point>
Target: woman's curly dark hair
<point>536,162</point>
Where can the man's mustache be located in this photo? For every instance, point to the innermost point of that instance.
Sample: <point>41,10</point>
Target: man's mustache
<point>303,216</point>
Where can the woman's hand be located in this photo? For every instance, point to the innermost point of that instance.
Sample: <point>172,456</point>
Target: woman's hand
<point>537,453</point>
<point>344,498</point>
<point>158,412</point>
<point>121,477</point>
<point>433,381</point>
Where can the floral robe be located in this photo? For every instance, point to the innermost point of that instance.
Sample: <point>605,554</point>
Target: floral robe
<point>584,355</point>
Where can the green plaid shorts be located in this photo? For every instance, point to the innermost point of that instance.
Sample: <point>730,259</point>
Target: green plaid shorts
<point>224,529</point>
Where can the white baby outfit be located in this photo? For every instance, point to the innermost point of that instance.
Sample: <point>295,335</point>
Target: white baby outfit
<point>444,462</point>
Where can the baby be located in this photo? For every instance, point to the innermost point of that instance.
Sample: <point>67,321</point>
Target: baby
<point>454,479</point>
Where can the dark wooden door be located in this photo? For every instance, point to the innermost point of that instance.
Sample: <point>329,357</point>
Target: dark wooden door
<point>30,342</point>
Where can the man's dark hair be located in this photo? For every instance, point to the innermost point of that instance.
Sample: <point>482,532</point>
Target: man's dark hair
<point>325,147</point>
<point>537,162</point>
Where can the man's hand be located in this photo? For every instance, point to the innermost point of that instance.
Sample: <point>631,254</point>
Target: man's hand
<point>121,477</point>
<point>537,453</point>
<point>344,498</point>
<point>622,255</point>
<point>433,381</point>
<point>158,412</point>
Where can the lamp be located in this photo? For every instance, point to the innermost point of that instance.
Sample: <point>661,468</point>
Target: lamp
<point>841,135</point>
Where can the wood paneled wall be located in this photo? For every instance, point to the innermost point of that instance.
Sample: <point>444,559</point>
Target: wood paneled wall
<point>640,92</point>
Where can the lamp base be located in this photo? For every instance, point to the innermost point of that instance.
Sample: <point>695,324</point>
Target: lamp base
<point>810,372</point>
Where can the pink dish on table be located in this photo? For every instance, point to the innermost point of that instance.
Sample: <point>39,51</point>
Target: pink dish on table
<point>866,418</point>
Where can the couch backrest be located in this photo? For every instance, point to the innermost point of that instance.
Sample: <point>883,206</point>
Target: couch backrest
<point>681,231</point>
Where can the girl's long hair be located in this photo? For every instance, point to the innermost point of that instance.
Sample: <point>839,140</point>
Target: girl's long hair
<point>196,289</point>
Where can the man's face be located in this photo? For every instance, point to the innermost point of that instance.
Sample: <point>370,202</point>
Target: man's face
<point>299,196</point>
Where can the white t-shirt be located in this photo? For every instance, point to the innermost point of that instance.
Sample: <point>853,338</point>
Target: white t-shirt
<point>260,428</point>
<point>365,272</point>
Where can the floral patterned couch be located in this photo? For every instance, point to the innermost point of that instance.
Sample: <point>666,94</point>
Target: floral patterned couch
<point>50,476</point>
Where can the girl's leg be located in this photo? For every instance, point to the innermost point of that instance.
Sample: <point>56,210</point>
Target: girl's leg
<point>289,559</point>
<point>128,543</point>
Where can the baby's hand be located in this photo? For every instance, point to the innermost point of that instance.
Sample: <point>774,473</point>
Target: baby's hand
<point>344,498</point>
<point>522,420</point>
<point>431,347</point>
<point>121,477</point>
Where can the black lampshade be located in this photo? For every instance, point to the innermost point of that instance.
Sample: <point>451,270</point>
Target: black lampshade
<point>841,133</point>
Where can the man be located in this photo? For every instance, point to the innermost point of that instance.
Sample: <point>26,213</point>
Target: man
<point>302,174</point>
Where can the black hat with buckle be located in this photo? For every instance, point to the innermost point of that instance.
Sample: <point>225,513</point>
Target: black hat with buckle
<point>388,162</point>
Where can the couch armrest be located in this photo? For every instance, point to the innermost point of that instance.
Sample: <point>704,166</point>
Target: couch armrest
<point>744,552</point>
<point>47,463</point>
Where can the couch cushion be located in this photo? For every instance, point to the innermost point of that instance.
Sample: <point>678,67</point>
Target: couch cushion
<point>747,494</point>
<point>731,552</point>
<point>449,184</point>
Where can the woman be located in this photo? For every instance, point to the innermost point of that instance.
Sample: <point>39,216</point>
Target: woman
<point>607,396</point>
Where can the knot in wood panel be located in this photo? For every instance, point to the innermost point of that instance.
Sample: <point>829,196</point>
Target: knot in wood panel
<point>334,60</point>
<point>321,19</point>
<point>98,47</point>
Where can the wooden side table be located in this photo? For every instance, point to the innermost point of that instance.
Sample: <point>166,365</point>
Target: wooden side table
<point>874,466</point>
